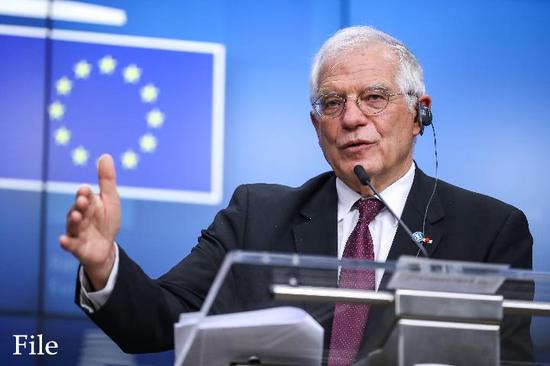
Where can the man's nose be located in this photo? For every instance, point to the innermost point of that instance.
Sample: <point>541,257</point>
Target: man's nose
<point>352,116</point>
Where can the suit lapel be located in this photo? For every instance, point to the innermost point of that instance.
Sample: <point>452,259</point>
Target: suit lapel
<point>413,216</point>
<point>316,233</point>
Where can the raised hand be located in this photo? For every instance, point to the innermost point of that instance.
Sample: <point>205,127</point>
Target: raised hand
<point>93,222</point>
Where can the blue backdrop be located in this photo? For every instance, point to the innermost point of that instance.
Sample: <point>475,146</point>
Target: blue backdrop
<point>486,68</point>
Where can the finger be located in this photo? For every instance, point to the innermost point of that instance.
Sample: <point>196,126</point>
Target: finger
<point>81,229</point>
<point>82,203</point>
<point>88,206</point>
<point>85,204</point>
<point>73,219</point>
<point>107,177</point>
<point>70,244</point>
<point>71,209</point>
<point>84,190</point>
<point>74,223</point>
<point>82,200</point>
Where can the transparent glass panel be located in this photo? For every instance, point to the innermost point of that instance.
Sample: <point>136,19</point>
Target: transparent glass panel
<point>280,309</point>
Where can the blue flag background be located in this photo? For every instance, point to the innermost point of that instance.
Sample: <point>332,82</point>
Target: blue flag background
<point>21,106</point>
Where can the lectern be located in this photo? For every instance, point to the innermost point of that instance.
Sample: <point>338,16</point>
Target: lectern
<point>423,311</point>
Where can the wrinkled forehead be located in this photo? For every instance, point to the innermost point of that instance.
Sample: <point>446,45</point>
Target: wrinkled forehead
<point>362,67</point>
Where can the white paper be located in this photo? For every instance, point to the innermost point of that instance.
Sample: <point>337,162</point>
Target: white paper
<point>281,335</point>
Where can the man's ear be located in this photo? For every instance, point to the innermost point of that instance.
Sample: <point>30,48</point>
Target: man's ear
<point>425,101</point>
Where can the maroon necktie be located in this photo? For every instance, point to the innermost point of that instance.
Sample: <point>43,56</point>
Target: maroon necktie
<point>349,320</point>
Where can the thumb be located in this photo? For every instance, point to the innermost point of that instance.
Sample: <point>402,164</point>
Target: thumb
<point>107,176</point>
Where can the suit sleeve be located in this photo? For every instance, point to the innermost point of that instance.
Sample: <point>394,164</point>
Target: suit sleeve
<point>140,313</point>
<point>513,245</point>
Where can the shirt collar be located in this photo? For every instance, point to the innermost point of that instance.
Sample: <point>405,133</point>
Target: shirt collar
<point>395,195</point>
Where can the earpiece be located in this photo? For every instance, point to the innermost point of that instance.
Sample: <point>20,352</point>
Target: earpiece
<point>424,116</point>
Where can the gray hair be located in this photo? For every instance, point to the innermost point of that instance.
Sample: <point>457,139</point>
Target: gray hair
<point>409,77</point>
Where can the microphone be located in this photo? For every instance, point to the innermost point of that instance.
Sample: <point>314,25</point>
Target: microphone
<point>417,238</point>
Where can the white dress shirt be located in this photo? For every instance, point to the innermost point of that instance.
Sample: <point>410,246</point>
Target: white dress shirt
<point>382,228</point>
<point>92,301</point>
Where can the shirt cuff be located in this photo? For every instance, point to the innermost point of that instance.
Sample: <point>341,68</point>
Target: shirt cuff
<point>90,300</point>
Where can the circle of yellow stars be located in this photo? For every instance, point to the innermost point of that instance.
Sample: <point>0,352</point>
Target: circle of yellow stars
<point>131,74</point>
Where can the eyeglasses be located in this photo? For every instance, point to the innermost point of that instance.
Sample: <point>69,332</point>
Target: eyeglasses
<point>370,101</point>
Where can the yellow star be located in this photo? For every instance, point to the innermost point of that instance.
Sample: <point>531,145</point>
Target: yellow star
<point>82,69</point>
<point>155,118</point>
<point>148,143</point>
<point>62,136</point>
<point>56,110</point>
<point>149,93</point>
<point>107,65</point>
<point>129,159</point>
<point>80,156</point>
<point>64,86</point>
<point>131,74</point>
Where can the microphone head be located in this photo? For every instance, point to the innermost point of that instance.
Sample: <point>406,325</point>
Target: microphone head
<point>361,174</point>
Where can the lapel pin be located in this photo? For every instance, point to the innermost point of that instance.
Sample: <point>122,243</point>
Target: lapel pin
<point>420,238</point>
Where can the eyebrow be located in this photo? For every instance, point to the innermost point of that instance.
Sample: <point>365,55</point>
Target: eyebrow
<point>377,86</point>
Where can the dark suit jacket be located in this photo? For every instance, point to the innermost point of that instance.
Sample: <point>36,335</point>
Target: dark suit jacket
<point>140,313</point>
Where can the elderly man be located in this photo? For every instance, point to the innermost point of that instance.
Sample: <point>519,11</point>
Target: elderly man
<point>368,107</point>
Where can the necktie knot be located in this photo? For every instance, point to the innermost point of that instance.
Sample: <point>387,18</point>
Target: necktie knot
<point>368,209</point>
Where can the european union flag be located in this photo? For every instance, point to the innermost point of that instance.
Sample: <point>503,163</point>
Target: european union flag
<point>156,105</point>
